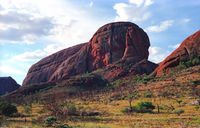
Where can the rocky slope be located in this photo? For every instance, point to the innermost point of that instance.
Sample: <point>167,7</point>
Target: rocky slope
<point>7,84</point>
<point>189,49</point>
<point>114,43</point>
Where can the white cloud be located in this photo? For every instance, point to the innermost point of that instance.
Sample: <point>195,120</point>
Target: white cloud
<point>66,18</point>
<point>186,20</point>
<point>174,46</point>
<point>129,12</point>
<point>30,56</point>
<point>52,48</point>
<point>22,27</point>
<point>162,27</point>
<point>91,3</point>
<point>137,2</point>
<point>148,2</point>
<point>10,70</point>
<point>37,54</point>
<point>157,54</point>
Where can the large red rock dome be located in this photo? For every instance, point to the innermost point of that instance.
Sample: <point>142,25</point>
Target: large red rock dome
<point>111,43</point>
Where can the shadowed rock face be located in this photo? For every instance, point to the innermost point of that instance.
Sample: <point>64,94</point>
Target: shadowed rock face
<point>111,43</point>
<point>7,85</point>
<point>189,48</point>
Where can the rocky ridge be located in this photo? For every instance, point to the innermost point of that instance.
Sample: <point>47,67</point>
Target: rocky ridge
<point>113,45</point>
<point>189,49</point>
<point>7,85</point>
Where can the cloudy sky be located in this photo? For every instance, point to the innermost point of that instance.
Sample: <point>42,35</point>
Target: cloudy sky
<point>33,29</point>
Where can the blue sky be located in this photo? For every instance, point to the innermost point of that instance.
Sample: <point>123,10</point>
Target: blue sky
<point>33,29</point>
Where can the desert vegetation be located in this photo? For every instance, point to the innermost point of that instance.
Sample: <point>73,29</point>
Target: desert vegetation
<point>140,101</point>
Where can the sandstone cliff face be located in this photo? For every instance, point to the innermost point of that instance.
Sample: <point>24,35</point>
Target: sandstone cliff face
<point>111,43</point>
<point>116,41</point>
<point>189,48</point>
<point>7,85</point>
<point>42,71</point>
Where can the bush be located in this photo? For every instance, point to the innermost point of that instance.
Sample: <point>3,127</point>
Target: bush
<point>197,108</point>
<point>125,110</point>
<point>178,111</point>
<point>61,110</point>
<point>7,109</point>
<point>27,109</point>
<point>149,95</point>
<point>191,62</point>
<point>69,108</point>
<point>50,120</point>
<point>144,106</point>
<point>179,101</point>
<point>195,61</point>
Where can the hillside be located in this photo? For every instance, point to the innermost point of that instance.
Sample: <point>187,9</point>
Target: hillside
<point>7,85</point>
<point>106,107</point>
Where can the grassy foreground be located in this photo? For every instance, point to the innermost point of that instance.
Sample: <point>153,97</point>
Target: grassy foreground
<point>112,117</point>
<point>176,91</point>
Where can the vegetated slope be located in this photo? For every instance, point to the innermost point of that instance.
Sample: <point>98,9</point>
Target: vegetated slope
<point>189,50</point>
<point>7,85</point>
<point>119,42</point>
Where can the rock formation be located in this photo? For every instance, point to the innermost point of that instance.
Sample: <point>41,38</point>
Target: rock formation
<point>43,70</point>
<point>7,85</point>
<point>189,48</point>
<point>112,43</point>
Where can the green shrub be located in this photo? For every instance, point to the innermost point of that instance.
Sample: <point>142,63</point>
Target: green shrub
<point>27,109</point>
<point>195,61</point>
<point>197,108</point>
<point>181,65</point>
<point>178,111</point>
<point>144,106</point>
<point>191,62</point>
<point>142,78</point>
<point>179,101</point>
<point>188,63</point>
<point>148,95</point>
<point>50,120</point>
<point>7,109</point>
<point>125,110</point>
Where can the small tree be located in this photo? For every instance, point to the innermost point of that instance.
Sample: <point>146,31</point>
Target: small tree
<point>7,109</point>
<point>131,96</point>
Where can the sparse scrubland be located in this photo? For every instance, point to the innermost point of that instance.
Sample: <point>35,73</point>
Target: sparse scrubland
<point>169,101</point>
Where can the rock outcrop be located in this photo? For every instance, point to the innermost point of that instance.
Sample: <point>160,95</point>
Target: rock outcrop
<point>7,85</point>
<point>43,70</point>
<point>111,43</point>
<point>116,41</point>
<point>189,49</point>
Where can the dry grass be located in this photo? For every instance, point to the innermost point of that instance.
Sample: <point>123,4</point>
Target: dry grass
<point>112,117</point>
